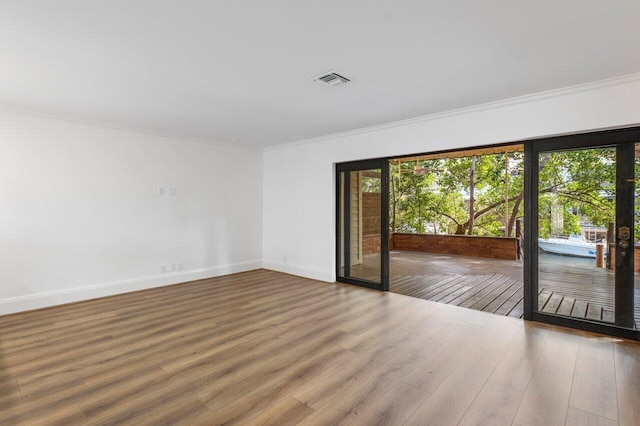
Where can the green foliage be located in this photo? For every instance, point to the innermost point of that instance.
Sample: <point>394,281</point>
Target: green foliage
<point>371,184</point>
<point>636,230</point>
<point>438,200</point>
<point>580,184</point>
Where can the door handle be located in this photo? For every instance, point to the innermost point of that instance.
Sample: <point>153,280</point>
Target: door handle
<point>624,234</point>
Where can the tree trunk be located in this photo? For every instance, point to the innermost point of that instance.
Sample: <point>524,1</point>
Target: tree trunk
<point>393,199</point>
<point>514,215</point>
<point>472,190</point>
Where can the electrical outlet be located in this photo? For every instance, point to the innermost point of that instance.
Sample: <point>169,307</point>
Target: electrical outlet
<point>173,267</point>
<point>179,266</point>
<point>173,191</point>
<point>163,268</point>
<point>160,191</point>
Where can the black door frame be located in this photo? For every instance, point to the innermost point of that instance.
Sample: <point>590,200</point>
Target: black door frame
<point>622,140</point>
<point>344,204</point>
<point>530,245</point>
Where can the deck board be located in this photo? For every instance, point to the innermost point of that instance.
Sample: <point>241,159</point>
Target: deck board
<point>553,303</point>
<point>485,302</point>
<point>512,301</point>
<point>494,285</point>
<point>566,306</point>
<point>579,309</point>
<point>506,290</point>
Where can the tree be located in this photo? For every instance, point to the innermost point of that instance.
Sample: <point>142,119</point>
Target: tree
<point>484,196</point>
<point>582,183</point>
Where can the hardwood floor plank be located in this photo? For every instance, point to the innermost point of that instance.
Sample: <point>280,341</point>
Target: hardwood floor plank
<point>430,373</point>
<point>576,417</point>
<point>394,408</point>
<point>246,400</point>
<point>595,379</point>
<point>148,411</point>
<point>242,375</point>
<point>264,347</point>
<point>450,401</point>
<point>628,397</point>
<point>49,399</point>
<point>627,354</point>
<point>344,407</point>
<point>546,399</point>
<point>67,416</point>
<point>379,354</point>
<point>495,405</point>
<point>521,359</point>
<point>288,412</point>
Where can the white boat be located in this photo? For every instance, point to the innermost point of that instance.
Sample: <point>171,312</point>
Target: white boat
<point>575,245</point>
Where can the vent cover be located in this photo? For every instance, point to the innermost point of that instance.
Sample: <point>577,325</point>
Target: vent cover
<point>331,79</point>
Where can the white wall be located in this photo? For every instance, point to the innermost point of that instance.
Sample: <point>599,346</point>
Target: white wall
<point>299,200</point>
<point>80,214</point>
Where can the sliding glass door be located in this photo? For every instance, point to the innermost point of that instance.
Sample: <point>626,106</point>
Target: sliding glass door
<point>362,231</point>
<point>582,231</point>
<point>581,239</point>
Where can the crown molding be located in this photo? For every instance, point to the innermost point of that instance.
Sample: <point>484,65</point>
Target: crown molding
<point>615,81</point>
<point>111,125</point>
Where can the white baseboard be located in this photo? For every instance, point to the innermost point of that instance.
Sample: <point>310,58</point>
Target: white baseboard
<point>300,270</point>
<point>58,297</point>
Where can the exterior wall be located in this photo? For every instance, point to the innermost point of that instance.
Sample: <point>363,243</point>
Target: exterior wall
<point>356,219</point>
<point>371,244</point>
<point>371,203</point>
<point>463,245</point>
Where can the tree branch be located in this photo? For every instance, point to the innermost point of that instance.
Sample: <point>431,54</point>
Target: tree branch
<point>450,217</point>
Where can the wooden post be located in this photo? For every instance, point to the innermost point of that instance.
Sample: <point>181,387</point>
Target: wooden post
<point>600,255</point>
<point>472,196</point>
<point>393,197</point>
<point>611,247</point>
<point>397,219</point>
<point>506,195</point>
<point>519,238</point>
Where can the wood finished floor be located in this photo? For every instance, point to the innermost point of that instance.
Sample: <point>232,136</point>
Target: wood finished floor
<point>496,286</point>
<point>489,285</point>
<point>267,348</point>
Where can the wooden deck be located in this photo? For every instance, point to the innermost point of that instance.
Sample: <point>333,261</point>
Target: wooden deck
<point>493,285</point>
<point>489,285</point>
<point>580,291</point>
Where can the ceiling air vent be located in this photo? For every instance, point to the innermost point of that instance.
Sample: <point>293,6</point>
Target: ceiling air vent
<point>331,79</point>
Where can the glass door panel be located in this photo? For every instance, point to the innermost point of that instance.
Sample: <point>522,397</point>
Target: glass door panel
<point>585,234</point>
<point>362,216</point>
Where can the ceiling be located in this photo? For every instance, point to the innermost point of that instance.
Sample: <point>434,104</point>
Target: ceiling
<point>238,72</point>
